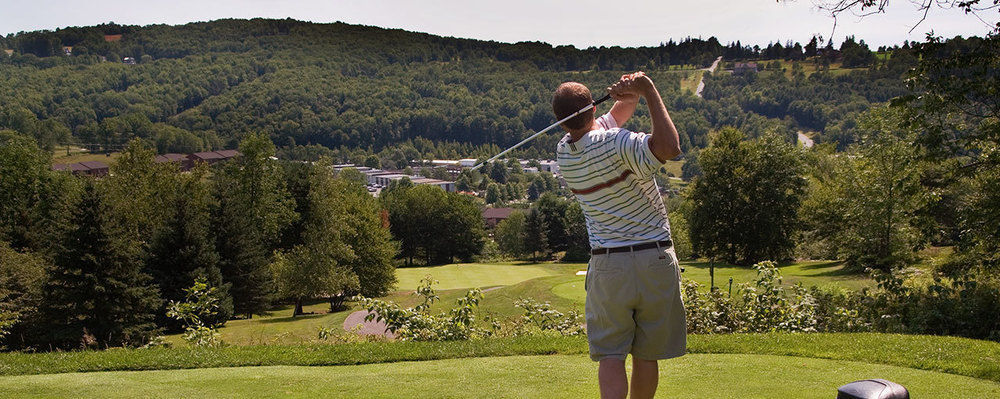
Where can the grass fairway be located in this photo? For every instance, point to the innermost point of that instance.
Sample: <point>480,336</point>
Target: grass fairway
<point>824,274</point>
<point>552,282</point>
<point>558,376</point>
<point>472,275</point>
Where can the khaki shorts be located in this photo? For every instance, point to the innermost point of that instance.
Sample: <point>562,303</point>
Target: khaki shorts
<point>634,305</point>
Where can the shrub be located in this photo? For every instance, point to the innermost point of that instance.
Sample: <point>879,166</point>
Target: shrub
<point>197,313</point>
<point>418,324</point>
<point>764,306</point>
<point>545,318</point>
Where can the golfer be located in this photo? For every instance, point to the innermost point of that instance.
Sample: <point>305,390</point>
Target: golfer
<point>633,280</point>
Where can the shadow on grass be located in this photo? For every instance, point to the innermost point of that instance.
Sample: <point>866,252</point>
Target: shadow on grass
<point>287,319</point>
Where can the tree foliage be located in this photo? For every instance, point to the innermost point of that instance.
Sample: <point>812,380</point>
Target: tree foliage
<point>253,209</point>
<point>744,206</point>
<point>97,294</point>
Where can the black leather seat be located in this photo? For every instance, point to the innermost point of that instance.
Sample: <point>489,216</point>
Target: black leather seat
<point>873,389</point>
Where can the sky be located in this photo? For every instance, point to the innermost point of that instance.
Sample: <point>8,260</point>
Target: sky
<point>582,23</point>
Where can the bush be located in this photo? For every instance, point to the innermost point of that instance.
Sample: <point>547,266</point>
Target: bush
<point>418,324</point>
<point>197,313</point>
<point>764,306</point>
<point>545,318</point>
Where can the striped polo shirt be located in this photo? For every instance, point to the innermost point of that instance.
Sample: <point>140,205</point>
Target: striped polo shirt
<point>610,170</point>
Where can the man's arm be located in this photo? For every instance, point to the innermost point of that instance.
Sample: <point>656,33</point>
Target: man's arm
<point>664,143</point>
<point>624,105</point>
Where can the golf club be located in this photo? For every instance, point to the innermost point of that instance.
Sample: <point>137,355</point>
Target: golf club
<point>532,137</point>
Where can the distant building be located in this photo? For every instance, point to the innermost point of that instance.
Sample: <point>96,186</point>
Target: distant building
<point>211,157</point>
<point>467,162</point>
<point>89,168</point>
<point>226,154</point>
<point>493,216</point>
<point>741,68</point>
<point>9,52</point>
<point>112,38</point>
<point>381,178</point>
<point>97,168</point>
<point>67,50</point>
<point>550,166</point>
<point>128,61</point>
<point>182,160</point>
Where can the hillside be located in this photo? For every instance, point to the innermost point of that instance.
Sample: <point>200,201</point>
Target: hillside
<point>204,85</point>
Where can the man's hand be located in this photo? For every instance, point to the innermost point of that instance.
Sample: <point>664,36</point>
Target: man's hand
<point>630,87</point>
<point>664,143</point>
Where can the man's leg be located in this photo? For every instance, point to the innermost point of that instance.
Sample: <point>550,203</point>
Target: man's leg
<point>611,377</point>
<point>645,377</point>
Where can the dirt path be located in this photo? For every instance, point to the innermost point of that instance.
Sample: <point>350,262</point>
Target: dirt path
<point>805,140</point>
<point>377,328</point>
<point>367,327</point>
<point>711,69</point>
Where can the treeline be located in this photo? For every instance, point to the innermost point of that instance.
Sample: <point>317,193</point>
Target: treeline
<point>203,85</point>
<point>92,263</point>
<point>918,172</point>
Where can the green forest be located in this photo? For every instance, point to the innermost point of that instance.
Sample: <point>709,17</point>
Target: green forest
<point>204,86</point>
<point>905,162</point>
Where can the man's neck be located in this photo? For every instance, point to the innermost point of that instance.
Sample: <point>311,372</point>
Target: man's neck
<point>575,135</point>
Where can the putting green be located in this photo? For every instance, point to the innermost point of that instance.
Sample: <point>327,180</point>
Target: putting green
<point>572,290</point>
<point>470,275</point>
<point>560,376</point>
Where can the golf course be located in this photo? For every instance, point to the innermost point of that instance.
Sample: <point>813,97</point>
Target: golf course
<point>281,356</point>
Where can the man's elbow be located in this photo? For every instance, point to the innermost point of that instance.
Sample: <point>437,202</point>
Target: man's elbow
<point>673,151</point>
<point>666,151</point>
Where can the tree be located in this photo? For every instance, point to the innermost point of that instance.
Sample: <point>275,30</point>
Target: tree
<point>183,249</point>
<point>870,7</point>
<point>577,239</point>
<point>535,234</point>
<point>317,265</point>
<point>25,170</point>
<point>493,194</point>
<point>369,237</point>
<point>553,210</point>
<point>22,275</point>
<point>138,193</point>
<point>510,233</point>
<point>344,248</point>
<point>433,224</point>
<point>867,205</point>
<point>97,294</point>
<point>744,206</point>
<point>373,162</point>
<point>253,209</point>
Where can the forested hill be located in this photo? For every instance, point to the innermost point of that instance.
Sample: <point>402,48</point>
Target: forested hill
<point>204,85</point>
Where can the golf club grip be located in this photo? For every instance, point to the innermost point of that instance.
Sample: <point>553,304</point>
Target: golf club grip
<point>602,99</point>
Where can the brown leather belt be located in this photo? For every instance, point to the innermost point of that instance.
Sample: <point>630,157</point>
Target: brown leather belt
<point>633,248</point>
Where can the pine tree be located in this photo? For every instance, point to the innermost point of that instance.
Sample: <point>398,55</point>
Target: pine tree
<point>253,209</point>
<point>184,249</point>
<point>535,234</point>
<point>97,294</point>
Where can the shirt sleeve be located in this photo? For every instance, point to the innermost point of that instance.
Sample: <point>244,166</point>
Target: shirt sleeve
<point>607,122</point>
<point>633,147</point>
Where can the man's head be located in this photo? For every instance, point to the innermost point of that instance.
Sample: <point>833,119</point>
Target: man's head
<point>569,98</point>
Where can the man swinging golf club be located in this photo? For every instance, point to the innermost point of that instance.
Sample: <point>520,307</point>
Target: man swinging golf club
<point>633,280</point>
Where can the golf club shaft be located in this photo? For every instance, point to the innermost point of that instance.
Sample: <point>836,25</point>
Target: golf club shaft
<point>532,137</point>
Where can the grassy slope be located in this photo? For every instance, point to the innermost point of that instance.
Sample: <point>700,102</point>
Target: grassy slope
<point>811,273</point>
<point>472,275</point>
<point>557,285</point>
<point>567,376</point>
<point>961,356</point>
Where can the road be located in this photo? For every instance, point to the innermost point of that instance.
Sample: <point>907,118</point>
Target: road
<point>711,69</point>
<point>805,140</point>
